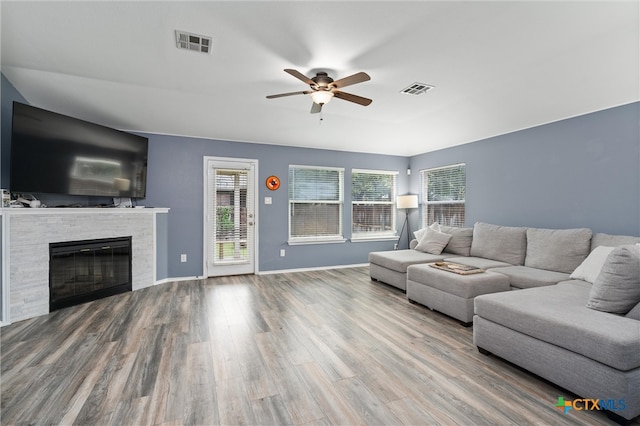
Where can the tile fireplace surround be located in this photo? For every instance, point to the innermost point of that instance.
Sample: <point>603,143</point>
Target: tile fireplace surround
<point>26,236</point>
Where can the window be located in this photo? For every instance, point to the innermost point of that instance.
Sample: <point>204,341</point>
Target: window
<point>443,195</point>
<point>315,204</point>
<point>373,212</point>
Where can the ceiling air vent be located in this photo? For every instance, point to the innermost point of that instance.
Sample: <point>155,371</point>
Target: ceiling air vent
<point>194,42</point>
<point>416,89</point>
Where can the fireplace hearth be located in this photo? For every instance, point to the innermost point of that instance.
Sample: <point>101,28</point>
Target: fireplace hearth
<point>82,271</point>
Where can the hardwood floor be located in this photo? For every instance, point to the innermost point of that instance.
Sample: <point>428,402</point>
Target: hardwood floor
<point>326,347</point>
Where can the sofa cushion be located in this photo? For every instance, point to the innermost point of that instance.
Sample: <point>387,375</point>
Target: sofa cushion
<point>460,242</point>
<point>557,314</point>
<point>578,283</point>
<point>561,250</point>
<point>502,243</point>
<point>432,241</point>
<point>590,268</point>
<point>478,262</point>
<point>634,313</point>
<point>617,288</point>
<point>398,260</point>
<point>525,277</point>
<point>601,239</point>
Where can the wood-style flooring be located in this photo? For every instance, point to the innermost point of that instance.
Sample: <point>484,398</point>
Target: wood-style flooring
<point>322,347</point>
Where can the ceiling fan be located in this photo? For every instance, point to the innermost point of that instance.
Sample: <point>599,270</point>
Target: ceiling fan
<point>323,88</point>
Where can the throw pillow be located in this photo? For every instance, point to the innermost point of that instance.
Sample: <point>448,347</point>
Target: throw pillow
<point>460,242</point>
<point>617,288</point>
<point>420,232</point>
<point>433,241</point>
<point>590,268</point>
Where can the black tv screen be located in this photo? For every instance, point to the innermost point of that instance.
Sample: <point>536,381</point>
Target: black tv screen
<point>56,154</point>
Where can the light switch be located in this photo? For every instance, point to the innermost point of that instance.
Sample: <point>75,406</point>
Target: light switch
<point>268,200</point>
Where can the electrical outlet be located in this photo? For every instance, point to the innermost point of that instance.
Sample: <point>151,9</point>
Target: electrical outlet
<point>395,246</point>
<point>281,252</point>
<point>183,258</point>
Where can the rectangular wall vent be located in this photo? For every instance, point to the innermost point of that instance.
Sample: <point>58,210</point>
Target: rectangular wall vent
<point>194,42</point>
<point>416,89</point>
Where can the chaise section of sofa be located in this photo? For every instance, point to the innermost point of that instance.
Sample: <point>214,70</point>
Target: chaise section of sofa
<point>567,332</point>
<point>550,332</point>
<point>390,267</point>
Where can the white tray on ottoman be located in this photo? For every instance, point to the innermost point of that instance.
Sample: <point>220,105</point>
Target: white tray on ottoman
<point>451,293</point>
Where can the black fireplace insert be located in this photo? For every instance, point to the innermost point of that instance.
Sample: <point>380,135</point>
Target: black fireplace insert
<point>82,271</point>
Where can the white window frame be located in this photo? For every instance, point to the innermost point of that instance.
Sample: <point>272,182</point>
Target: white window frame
<point>426,203</point>
<point>318,239</point>
<point>391,234</point>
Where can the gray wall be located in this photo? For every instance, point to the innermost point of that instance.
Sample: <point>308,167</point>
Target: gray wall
<point>579,172</point>
<point>176,181</point>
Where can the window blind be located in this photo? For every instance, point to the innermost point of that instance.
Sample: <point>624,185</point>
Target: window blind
<point>444,190</point>
<point>315,203</point>
<point>373,210</point>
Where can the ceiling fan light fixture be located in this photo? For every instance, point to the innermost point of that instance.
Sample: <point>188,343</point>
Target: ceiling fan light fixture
<point>321,97</point>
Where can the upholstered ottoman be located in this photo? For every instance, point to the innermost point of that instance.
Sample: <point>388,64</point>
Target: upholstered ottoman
<point>450,293</point>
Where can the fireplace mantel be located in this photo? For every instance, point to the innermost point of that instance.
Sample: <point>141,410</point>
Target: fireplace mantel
<point>26,234</point>
<point>84,210</point>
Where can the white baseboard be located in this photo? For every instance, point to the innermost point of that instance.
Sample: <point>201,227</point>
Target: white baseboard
<point>278,271</point>
<point>171,280</point>
<point>319,268</point>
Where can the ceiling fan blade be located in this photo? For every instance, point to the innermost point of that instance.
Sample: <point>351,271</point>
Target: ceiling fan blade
<point>316,108</point>
<point>352,98</point>
<point>280,95</point>
<point>300,76</point>
<point>352,79</point>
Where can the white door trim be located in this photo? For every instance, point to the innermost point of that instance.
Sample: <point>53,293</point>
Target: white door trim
<point>206,223</point>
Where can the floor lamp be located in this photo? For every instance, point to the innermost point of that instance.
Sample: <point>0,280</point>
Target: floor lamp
<point>406,202</point>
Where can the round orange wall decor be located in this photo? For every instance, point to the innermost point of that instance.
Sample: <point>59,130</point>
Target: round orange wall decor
<point>273,183</point>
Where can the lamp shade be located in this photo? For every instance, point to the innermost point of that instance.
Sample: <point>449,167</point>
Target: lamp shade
<point>409,201</point>
<point>321,97</point>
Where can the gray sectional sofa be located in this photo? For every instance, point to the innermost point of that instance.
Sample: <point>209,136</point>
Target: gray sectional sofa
<point>574,319</point>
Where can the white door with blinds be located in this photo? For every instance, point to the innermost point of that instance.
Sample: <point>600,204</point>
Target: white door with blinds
<point>231,231</point>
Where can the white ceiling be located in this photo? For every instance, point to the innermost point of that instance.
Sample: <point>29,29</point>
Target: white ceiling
<point>497,67</point>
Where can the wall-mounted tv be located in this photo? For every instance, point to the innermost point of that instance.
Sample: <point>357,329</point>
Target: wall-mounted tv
<point>55,154</point>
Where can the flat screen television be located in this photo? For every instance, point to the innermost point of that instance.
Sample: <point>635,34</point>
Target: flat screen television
<point>55,154</point>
